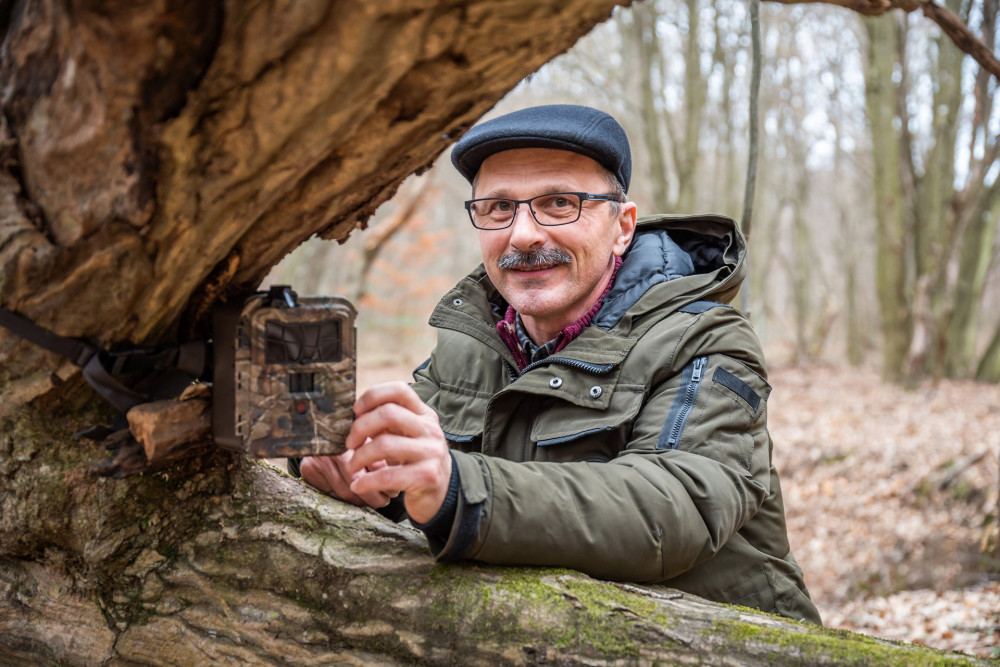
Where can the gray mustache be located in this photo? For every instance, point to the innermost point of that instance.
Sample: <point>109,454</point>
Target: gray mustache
<point>534,259</point>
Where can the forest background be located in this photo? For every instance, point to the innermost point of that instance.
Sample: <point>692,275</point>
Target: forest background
<point>874,236</point>
<point>874,265</point>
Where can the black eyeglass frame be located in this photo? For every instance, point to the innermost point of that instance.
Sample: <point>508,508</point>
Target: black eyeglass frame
<point>583,196</point>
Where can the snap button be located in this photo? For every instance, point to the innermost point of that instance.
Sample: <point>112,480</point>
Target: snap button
<point>595,392</point>
<point>555,383</point>
<point>457,302</point>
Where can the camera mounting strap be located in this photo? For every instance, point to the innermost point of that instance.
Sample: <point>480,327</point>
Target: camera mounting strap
<point>162,371</point>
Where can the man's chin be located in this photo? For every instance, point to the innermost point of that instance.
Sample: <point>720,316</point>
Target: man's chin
<point>533,302</point>
<point>538,282</point>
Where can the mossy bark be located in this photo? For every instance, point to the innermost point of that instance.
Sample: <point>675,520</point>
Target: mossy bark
<point>228,559</point>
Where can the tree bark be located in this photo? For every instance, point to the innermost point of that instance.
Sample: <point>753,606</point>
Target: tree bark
<point>687,145</point>
<point>268,572</point>
<point>890,215</point>
<point>654,120</point>
<point>156,157</point>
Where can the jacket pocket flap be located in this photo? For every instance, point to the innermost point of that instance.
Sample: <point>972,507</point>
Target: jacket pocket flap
<point>461,412</point>
<point>566,422</point>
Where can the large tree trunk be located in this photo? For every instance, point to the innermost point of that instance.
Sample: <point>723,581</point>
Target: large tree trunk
<point>890,197</point>
<point>156,156</point>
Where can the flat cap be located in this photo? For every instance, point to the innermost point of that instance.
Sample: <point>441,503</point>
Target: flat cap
<point>567,127</point>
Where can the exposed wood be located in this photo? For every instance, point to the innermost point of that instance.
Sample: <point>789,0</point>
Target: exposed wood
<point>165,427</point>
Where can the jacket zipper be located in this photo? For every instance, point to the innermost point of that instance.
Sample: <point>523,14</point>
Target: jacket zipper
<point>691,392</point>
<point>574,363</point>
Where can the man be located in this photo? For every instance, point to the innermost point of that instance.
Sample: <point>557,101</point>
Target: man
<point>592,403</point>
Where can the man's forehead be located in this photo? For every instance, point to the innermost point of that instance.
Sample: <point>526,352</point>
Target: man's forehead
<point>538,166</point>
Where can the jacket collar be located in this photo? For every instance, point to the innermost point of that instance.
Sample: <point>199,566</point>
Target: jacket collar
<point>643,292</point>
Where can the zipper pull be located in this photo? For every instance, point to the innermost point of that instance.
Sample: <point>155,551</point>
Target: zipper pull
<point>699,366</point>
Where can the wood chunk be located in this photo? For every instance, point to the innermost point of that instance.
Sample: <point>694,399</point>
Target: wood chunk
<point>166,428</point>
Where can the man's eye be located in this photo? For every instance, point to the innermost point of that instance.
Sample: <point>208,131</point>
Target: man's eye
<point>503,206</point>
<point>556,204</point>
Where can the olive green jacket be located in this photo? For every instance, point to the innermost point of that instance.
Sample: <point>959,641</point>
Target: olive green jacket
<point>640,451</point>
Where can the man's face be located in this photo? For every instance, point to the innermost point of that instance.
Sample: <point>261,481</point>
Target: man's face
<point>557,293</point>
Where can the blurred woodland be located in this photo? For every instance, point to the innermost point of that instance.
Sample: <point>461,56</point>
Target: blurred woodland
<point>874,232</point>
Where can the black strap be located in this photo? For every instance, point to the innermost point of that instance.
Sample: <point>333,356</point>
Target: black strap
<point>75,350</point>
<point>167,369</point>
<point>110,389</point>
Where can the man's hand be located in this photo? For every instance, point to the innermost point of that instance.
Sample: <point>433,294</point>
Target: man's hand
<point>397,445</point>
<point>332,475</point>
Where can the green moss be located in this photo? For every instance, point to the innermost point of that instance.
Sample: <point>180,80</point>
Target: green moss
<point>829,645</point>
<point>566,611</point>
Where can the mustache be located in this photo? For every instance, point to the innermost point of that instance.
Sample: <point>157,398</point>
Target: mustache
<point>534,259</point>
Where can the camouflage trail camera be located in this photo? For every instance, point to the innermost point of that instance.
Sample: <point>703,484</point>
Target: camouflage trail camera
<point>284,374</point>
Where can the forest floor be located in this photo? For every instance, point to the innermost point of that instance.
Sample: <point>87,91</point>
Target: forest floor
<point>887,495</point>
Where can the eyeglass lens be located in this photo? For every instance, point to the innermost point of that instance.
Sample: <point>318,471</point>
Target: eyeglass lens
<point>552,209</point>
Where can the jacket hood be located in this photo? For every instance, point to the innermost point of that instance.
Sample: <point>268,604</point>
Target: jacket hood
<point>674,260</point>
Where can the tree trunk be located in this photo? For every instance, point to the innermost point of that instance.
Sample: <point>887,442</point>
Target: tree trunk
<point>158,156</point>
<point>933,238</point>
<point>891,267</point>
<point>988,369</point>
<point>688,144</point>
<point>654,119</point>
<point>237,562</point>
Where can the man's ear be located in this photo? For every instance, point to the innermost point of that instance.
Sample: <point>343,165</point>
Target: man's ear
<point>626,227</point>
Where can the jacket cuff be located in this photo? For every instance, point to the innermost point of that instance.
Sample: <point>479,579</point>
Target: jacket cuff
<point>457,541</point>
<point>395,510</point>
<point>440,524</point>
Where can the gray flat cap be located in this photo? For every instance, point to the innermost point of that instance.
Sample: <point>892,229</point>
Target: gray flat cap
<point>567,127</point>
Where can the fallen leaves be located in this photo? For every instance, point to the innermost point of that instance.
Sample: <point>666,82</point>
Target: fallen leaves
<point>886,495</point>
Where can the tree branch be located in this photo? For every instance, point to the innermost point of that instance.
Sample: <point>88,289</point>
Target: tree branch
<point>962,36</point>
<point>951,24</point>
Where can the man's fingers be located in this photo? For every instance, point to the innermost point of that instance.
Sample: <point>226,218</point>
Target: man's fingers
<point>329,475</point>
<point>392,480</point>
<point>325,473</point>
<point>398,392</point>
<point>425,484</point>
<point>394,449</point>
<point>391,418</point>
<point>347,476</point>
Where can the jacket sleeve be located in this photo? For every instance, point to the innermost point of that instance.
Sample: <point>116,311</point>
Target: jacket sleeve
<point>693,469</point>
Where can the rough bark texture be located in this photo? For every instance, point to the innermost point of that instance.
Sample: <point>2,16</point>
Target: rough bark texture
<point>230,560</point>
<point>155,156</point>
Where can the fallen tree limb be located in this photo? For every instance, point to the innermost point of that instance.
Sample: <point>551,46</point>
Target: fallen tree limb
<point>277,574</point>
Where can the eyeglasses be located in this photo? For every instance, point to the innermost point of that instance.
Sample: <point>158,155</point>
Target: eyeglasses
<point>553,209</point>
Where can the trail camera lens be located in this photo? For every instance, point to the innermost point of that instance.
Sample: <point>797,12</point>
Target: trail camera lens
<point>301,383</point>
<point>303,342</point>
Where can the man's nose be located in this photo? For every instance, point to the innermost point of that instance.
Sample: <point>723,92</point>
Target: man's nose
<point>525,233</point>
